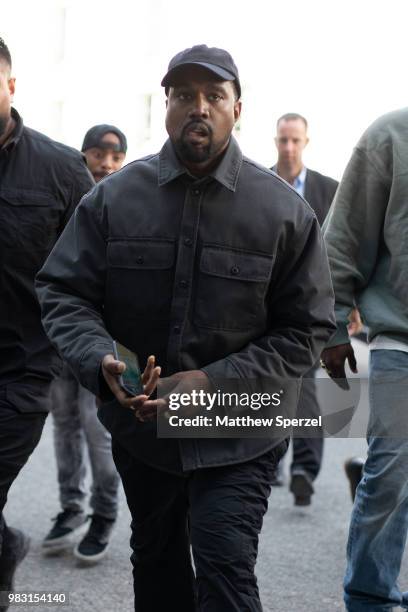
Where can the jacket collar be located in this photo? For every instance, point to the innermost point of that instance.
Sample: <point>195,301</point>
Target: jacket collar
<point>226,172</point>
<point>16,133</point>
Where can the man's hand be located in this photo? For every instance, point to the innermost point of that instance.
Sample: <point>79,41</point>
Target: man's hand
<point>180,382</point>
<point>356,325</point>
<point>333,360</point>
<point>112,369</point>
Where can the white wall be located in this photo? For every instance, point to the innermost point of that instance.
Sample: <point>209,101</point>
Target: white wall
<point>81,62</point>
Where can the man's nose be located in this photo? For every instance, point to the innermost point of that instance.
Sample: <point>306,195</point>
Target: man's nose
<point>200,106</point>
<point>107,163</point>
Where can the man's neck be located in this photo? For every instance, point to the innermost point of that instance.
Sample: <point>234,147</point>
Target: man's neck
<point>11,124</point>
<point>289,173</point>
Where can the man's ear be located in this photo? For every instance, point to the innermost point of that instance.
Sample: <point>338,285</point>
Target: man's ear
<point>12,87</point>
<point>237,110</point>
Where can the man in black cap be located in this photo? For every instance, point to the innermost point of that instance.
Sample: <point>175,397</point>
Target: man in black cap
<point>78,433</point>
<point>105,149</point>
<point>216,266</point>
<point>41,182</point>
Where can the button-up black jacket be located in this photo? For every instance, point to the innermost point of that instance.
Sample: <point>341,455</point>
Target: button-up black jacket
<point>227,273</point>
<point>41,182</point>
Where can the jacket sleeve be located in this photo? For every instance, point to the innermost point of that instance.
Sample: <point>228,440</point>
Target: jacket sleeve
<point>71,287</point>
<point>301,317</point>
<point>352,231</point>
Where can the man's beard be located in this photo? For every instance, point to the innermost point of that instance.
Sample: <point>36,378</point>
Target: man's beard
<point>188,152</point>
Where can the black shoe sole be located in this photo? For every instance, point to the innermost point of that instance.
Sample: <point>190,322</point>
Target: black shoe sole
<point>302,489</point>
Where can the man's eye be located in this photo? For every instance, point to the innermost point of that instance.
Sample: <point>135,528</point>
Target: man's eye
<point>183,96</point>
<point>214,97</point>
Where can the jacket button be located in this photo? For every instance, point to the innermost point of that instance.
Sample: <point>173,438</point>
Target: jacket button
<point>188,241</point>
<point>234,270</point>
<point>177,329</point>
<point>140,259</point>
<point>183,284</point>
<point>196,192</point>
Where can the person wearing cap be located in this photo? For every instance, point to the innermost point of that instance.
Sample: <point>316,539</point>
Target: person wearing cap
<point>214,265</point>
<point>105,149</point>
<point>78,433</point>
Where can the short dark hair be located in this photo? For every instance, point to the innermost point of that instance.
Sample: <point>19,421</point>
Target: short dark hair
<point>291,117</point>
<point>5,53</point>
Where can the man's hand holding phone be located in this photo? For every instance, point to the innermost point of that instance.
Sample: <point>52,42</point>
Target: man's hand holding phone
<point>113,369</point>
<point>179,383</point>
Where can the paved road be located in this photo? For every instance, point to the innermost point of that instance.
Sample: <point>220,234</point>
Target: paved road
<point>301,559</point>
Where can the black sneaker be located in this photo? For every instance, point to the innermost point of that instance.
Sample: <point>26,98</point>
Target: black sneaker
<point>69,525</point>
<point>301,485</point>
<point>94,546</point>
<point>10,561</point>
<point>354,472</point>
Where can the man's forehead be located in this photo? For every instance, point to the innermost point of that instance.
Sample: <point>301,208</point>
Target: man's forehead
<point>5,68</point>
<point>295,124</point>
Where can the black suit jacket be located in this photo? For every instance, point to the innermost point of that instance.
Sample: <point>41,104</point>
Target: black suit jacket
<point>319,193</point>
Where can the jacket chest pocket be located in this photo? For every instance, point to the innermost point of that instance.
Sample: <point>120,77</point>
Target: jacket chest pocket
<point>29,219</point>
<point>231,288</point>
<point>140,276</point>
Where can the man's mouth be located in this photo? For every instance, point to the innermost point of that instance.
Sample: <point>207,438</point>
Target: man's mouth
<point>100,175</point>
<point>197,132</point>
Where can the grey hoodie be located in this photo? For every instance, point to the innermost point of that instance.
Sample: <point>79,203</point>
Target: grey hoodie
<point>366,232</point>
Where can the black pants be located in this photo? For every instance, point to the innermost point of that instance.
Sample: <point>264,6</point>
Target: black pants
<point>219,511</point>
<point>19,435</point>
<point>308,452</point>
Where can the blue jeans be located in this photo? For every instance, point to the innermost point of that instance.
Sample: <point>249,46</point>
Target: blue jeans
<point>379,520</point>
<point>77,430</point>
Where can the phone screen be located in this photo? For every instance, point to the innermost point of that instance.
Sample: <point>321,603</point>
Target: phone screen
<point>131,379</point>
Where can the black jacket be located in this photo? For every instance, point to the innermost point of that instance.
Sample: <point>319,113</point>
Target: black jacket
<point>319,193</point>
<point>227,273</point>
<point>41,182</point>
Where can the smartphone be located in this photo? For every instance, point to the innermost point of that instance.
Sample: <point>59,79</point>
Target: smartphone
<point>131,379</point>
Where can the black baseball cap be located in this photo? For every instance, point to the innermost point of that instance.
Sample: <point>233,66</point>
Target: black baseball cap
<point>216,60</point>
<point>93,138</point>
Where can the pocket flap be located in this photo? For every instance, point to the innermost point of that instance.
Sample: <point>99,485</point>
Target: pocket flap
<point>239,265</point>
<point>141,254</point>
<point>27,197</point>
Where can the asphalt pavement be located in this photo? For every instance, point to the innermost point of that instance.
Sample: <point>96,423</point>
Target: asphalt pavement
<point>301,555</point>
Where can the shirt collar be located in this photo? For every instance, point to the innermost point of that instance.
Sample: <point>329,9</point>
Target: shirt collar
<point>299,182</point>
<point>16,133</point>
<point>226,172</point>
